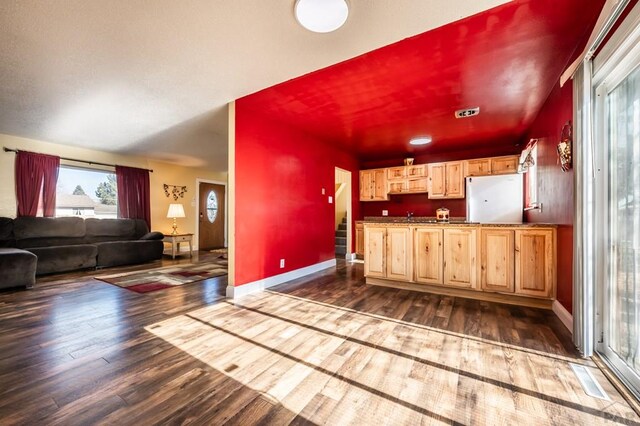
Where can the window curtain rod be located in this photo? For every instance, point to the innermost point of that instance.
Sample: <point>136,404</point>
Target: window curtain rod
<point>94,163</point>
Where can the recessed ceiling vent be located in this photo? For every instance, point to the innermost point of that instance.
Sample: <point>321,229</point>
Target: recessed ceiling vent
<point>469,112</point>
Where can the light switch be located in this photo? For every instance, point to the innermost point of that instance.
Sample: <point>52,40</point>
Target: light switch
<point>323,191</point>
<point>330,199</point>
<point>385,212</point>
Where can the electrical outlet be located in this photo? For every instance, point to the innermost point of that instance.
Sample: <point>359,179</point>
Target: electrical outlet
<point>323,191</point>
<point>281,263</point>
<point>385,212</point>
<point>330,199</point>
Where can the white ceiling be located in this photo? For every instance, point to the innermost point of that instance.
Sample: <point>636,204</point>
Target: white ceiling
<point>153,77</point>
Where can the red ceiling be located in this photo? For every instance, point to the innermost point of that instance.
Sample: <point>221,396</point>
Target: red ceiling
<point>505,61</point>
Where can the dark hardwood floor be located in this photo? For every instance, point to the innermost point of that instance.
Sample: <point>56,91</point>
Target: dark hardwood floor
<point>326,349</point>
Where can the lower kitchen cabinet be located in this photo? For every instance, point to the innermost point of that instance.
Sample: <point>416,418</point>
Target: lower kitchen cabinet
<point>460,251</point>
<point>359,239</point>
<point>535,266</point>
<point>497,260</point>
<point>428,249</point>
<point>399,254</point>
<point>375,243</point>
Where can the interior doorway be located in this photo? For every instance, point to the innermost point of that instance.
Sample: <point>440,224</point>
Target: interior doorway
<point>211,207</point>
<point>343,219</point>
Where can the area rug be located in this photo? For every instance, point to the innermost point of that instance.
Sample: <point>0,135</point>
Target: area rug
<point>166,277</point>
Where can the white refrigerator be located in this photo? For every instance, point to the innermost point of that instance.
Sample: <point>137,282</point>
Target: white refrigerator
<point>495,199</point>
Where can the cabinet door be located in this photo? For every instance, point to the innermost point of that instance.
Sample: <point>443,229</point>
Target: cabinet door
<point>428,249</point>
<point>396,173</point>
<point>437,188</point>
<point>380,185</point>
<point>504,165</point>
<point>417,185</point>
<point>477,167</point>
<point>535,262</point>
<point>460,267</point>
<point>497,260</point>
<point>398,186</point>
<point>399,258</point>
<point>359,239</point>
<point>375,243</point>
<point>366,185</point>
<point>417,171</point>
<point>454,180</point>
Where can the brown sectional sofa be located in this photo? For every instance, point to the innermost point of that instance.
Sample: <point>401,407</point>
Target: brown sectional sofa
<point>72,243</point>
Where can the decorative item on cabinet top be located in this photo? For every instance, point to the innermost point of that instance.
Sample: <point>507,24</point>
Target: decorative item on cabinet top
<point>174,190</point>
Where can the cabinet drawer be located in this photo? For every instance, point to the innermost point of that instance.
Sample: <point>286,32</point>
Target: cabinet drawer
<point>418,185</point>
<point>397,187</point>
<point>416,171</point>
<point>396,173</point>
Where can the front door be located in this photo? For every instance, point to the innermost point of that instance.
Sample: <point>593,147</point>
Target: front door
<point>211,227</point>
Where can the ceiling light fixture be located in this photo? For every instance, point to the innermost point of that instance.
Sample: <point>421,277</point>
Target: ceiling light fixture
<point>423,140</point>
<point>321,16</point>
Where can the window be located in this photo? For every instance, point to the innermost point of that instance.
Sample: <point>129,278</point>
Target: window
<point>86,193</point>
<point>212,206</point>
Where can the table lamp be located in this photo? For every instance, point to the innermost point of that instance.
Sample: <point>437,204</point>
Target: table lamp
<point>175,211</point>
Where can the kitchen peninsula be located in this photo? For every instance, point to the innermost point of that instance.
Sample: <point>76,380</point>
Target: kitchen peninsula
<point>510,263</point>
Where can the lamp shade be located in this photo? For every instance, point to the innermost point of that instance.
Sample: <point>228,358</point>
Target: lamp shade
<point>175,210</point>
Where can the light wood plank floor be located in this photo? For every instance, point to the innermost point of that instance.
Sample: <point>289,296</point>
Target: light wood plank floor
<point>322,350</point>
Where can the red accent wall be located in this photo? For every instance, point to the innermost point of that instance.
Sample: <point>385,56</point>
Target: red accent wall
<point>555,187</point>
<point>280,210</point>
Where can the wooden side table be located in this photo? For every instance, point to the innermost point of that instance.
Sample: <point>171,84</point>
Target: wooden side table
<point>175,240</point>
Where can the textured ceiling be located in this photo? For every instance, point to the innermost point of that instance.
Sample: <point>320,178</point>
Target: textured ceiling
<point>153,77</point>
<point>505,61</point>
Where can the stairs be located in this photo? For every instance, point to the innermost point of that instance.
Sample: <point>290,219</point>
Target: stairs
<point>341,239</point>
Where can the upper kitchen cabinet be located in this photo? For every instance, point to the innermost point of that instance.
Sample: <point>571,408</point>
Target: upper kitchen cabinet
<point>491,166</point>
<point>373,185</point>
<point>504,165</point>
<point>446,180</point>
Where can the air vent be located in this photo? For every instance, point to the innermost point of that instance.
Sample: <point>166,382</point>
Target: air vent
<point>589,384</point>
<point>469,112</point>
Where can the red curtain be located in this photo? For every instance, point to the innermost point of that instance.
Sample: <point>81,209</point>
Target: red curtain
<point>36,174</point>
<point>134,198</point>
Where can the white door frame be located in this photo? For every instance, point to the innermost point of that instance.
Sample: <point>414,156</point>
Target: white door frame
<point>349,190</point>
<point>226,208</point>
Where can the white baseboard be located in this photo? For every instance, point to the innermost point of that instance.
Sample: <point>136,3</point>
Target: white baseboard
<point>350,257</point>
<point>257,286</point>
<point>563,314</point>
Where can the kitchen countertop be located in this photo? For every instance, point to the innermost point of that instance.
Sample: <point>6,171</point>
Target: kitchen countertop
<point>456,221</point>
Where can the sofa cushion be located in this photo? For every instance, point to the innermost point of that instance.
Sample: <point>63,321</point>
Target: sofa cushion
<point>65,258</point>
<point>6,233</point>
<point>141,228</point>
<point>155,235</point>
<point>17,268</point>
<point>48,227</point>
<point>118,229</point>
<point>116,253</point>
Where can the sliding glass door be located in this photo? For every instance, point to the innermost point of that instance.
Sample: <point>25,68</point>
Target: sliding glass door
<point>618,101</point>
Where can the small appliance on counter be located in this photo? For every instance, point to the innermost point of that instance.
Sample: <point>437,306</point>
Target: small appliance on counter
<point>442,214</point>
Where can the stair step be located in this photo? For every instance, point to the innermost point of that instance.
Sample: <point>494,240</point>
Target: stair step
<point>341,250</point>
<point>341,241</point>
<point>342,227</point>
<point>341,233</point>
<point>344,220</point>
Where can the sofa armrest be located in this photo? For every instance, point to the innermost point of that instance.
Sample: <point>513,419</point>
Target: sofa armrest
<point>155,235</point>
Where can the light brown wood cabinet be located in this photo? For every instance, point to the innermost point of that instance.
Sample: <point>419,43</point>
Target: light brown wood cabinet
<point>373,185</point>
<point>398,186</point>
<point>477,167</point>
<point>375,245</point>
<point>497,260</point>
<point>504,165</point>
<point>490,263</point>
<point>535,266</point>
<point>460,252</point>
<point>417,171</point>
<point>428,249</point>
<point>446,180</point>
<point>359,239</point>
<point>396,173</point>
<point>388,253</point>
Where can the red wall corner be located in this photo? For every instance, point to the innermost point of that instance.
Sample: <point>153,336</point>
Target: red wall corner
<point>280,210</point>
